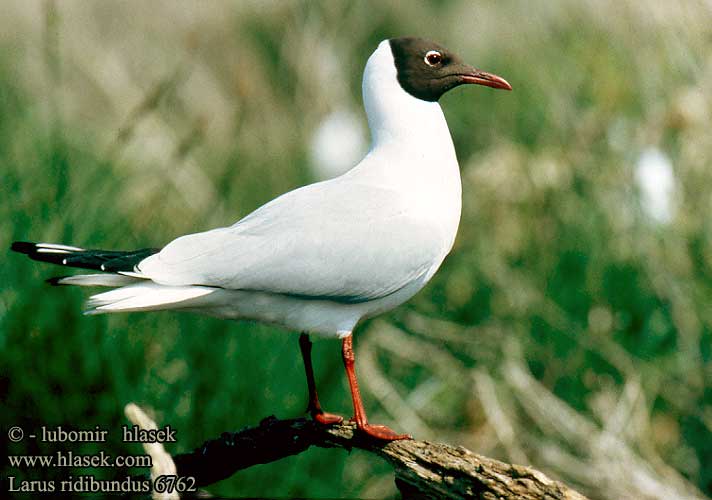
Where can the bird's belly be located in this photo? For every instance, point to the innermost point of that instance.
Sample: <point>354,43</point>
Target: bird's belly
<point>323,317</point>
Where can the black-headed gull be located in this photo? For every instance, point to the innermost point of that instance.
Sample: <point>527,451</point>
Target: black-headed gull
<point>322,257</point>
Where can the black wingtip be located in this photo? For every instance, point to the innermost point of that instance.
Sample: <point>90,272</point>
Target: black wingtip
<point>25,247</point>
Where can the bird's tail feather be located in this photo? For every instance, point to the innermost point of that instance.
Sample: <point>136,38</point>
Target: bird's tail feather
<point>145,296</point>
<point>113,280</point>
<point>135,293</point>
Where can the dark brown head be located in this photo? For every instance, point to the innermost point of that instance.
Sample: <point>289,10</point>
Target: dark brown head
<point>427,70</point>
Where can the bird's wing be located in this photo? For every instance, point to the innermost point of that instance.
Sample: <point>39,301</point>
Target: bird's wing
<point>348,243</point>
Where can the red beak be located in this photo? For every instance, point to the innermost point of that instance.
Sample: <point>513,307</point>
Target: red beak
<point>478,77</point>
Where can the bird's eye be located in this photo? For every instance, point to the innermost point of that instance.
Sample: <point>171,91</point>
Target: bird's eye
<point>433,58</point>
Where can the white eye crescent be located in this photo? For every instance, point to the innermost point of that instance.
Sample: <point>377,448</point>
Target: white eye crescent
<point>433,58</point>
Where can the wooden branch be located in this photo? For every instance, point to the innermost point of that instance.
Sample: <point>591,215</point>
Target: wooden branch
<point>423,469</point>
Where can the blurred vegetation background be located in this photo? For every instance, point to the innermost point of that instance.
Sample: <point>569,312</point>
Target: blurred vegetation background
<point>569,329</point>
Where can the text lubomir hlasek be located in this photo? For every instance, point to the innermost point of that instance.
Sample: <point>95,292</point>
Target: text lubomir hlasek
<point>132,434</point>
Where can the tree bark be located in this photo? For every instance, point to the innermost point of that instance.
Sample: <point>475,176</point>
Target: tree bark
<point>423,469</point>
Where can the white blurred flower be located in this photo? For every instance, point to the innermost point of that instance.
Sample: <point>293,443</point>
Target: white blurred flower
<point>338,144</point>
<point>655,179</point>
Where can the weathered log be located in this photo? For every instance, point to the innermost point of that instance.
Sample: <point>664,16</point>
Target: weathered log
<point>423,469</point>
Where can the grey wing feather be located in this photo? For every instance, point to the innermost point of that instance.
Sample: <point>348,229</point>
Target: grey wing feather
<point>346,243</point>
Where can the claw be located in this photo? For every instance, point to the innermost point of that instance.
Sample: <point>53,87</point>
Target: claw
<point>382,433</point>
<point>327,418</point>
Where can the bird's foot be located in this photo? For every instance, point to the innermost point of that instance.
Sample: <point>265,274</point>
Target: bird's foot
<point>325,418</point>
<point>382,433</point>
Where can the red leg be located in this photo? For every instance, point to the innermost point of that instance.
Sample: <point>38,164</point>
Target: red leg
<point>380,432</point>
<point>314,408</point>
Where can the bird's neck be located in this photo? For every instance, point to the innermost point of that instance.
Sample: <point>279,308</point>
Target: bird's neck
<point>408,122</point>
<point>410,142</point>
<point>395,116</point>
<point>411,150</point>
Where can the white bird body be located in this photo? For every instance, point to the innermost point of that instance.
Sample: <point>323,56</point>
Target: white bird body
<point>324,256</point>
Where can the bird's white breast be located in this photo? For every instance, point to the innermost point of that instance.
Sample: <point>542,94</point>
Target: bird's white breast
<point>412,150</point>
